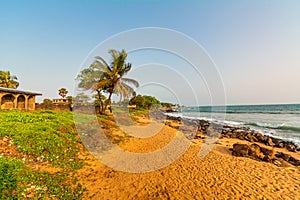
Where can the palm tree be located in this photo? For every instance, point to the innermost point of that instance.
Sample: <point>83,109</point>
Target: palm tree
<point>102,77</point>
<point>8,81</point>
<point>63,92</point>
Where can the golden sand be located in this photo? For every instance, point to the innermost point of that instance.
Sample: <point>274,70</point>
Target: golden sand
<point>219,175</point>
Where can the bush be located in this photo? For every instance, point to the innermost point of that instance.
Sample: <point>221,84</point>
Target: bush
<point>145,102</point>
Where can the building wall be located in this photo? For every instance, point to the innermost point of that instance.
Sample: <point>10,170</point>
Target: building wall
<point>10,101</point>
<point>55,107</point>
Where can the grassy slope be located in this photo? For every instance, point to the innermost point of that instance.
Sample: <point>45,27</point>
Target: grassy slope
<point>45,138</point>
<point>49,138</point>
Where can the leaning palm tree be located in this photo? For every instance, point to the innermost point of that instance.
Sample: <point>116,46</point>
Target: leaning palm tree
<point>113,74</point>
<point>8,81</point>
<point>108,78</point>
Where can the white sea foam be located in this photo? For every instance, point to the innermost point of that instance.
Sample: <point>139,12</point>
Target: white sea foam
<point>279,131</point>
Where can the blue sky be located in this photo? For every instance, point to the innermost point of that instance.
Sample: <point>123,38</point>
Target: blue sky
<point>255,44</point>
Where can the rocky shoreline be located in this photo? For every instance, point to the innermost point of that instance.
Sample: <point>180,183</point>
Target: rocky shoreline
<point>253,150</point>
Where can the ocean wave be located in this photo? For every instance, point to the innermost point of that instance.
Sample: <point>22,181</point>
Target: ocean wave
<point>244,109</point>
<point>265,129</point>
<point>221,122</point>
<point>243,112</point>
<point>280,127</point>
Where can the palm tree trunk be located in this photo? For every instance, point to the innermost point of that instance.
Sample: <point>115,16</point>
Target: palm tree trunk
<point>101,103</point>
<point>108,102</point>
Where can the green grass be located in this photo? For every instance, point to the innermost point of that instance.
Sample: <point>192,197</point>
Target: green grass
<point>139,111</point>
<point>18,181</point>
<point>49,135</point>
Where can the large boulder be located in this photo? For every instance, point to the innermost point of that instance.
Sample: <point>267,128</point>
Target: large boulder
<point>291,147</point>
<point>269,154</point>
<point>259,137</point>
<point>240,150</point>
<point>268,141</point>
<point>284,156</point>
<point>253,151</point>
<point>288,158</point>
<point>250,137</point>
<point>280,144</point>
<point>294,161</point>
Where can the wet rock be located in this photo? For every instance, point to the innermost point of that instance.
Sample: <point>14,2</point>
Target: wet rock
<point>280,144</point>
<point>291,147</point>
<point>259,137</point>
<point>250,137</point>
<point>269,142</point>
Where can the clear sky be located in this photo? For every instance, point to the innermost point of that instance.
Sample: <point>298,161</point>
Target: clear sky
<point>255,44</point>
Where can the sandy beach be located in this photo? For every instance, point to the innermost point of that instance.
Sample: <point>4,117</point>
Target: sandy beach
<point>219,175</point>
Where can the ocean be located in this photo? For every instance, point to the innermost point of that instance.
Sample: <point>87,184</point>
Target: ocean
<point>279,121</point>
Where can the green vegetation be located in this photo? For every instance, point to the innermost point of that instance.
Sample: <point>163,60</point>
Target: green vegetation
<point>45,134</point>
<point>7,80</point>
<point>166,105</point>
<point>47,102</point>
<point>144,102</point>
<point>138,112</point>
<point>18,181</point>
<point>101,77</point>
<point>49,137</point>
<point>81,99</point>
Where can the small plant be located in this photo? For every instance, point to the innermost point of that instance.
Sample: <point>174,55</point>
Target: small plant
<point>20,182</point>
<point>46,134</point>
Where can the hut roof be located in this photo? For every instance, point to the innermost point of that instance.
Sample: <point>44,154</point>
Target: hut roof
<point>15,91</point>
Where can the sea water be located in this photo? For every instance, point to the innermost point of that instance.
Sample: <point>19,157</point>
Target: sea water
<point>279,121</point>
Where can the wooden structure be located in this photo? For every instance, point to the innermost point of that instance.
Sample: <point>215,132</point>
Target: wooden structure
<point>12,99</point>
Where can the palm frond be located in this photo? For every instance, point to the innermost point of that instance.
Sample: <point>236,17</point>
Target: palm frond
<point>130,81</point>
<point>101,62</point>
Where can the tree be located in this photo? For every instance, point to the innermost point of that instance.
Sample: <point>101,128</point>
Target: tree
<point>81,99</point>
<point>8,81</point>
<point>145,102</point>
<point>166,105</point>
<point>102,77</point>
<point>47,101</point>
<point>99,100</point>
<point>70,99</point>
<point>63,92</point>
